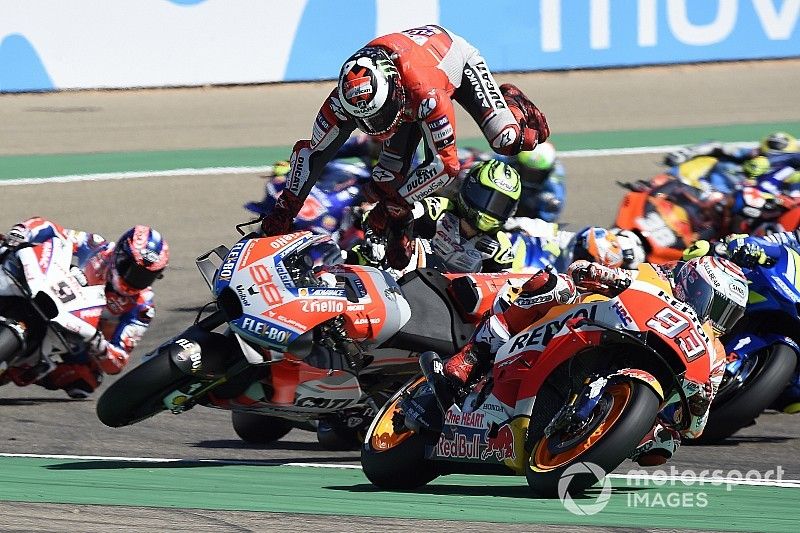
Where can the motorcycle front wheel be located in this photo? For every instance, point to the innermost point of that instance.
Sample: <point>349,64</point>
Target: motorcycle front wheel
<point>620,421</point>
<point>739,408</point>
<point>139,394</point>
<point>395,460</point>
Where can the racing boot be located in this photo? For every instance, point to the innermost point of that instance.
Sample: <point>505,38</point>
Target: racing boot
<point>443,388</point>
<point>657,447</point>
<point>532,122</point>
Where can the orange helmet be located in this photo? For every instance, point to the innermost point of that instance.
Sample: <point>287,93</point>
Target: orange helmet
<point>598,245</point>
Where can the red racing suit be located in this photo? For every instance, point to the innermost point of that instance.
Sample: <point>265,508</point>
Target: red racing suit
<point>435,67</point>
<point>123,322</point>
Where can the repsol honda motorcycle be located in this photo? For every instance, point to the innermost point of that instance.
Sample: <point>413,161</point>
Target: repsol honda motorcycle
<point>302,343</point>
<point>583,384</point>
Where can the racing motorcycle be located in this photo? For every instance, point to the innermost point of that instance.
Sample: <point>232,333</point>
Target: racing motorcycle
<point>302,344</point>
<point>49,314</point>
<point>668,215</point>
<point>762,348</point>
<point>583,384</point>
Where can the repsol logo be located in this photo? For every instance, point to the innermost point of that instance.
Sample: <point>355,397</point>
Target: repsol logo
<point>544,334</point>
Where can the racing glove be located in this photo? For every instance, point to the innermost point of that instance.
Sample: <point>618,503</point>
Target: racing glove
<point>747,254</point>
<point>594,277</point>
<point>17,235</point>
<point>279,221</point>
<point>532,121</point>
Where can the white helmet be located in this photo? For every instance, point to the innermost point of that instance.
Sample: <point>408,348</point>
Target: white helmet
<point>633,253</point>
<point>370,91</point>
<point>715,288</point>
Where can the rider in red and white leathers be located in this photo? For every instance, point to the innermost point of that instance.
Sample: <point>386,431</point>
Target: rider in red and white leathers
<point>516,307</point>
<point>399,88</point>
<point>127,268</point>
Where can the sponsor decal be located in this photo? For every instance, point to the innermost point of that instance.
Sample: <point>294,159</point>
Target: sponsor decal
<point>242,292</point>
<point>737,288</point>
<point>226,270</point>
<point>355,307</point>
<point>461,446</point>
<point>357,88</point>
<point>622,313</point>
<point>266,330</point>
<point>323,306</point>
<point>381,174</point>
<point>323,403</point>
<point>543,334</point>
<point>469,420</point>
<point>367,321</point>
<point>324,292</point>
<point>501,446</point>
<point>283,240</point>
<point>191,351</point>
<point>439,123</point>
<point>443,133</point>
<point>529,301</point>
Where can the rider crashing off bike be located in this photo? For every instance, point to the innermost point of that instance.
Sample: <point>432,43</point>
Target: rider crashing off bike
<point>399,89</point>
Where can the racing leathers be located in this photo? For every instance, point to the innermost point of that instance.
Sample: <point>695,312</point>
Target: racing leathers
<point>122,324</point>
<point>435,67</point>
<point>436,220</point>
<point>518,306</point>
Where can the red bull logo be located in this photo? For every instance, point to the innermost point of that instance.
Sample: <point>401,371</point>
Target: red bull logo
<point>501,446</point>
<point>461,446</point>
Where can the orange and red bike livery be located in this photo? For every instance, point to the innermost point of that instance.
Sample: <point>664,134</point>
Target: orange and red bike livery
<point>584,383</point>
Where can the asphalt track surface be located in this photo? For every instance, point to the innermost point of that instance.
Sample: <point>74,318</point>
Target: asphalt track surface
<point>197,213</point>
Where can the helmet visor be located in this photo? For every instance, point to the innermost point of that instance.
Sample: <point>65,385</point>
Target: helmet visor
<point>724,313</point>
<point>134,275</point>
<point>696,292</point>
<point>384,120</point>
<point>488,201</point>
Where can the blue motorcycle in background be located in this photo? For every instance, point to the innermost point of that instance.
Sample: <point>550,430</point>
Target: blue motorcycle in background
<point>329,205</point>
<point>763,348</point>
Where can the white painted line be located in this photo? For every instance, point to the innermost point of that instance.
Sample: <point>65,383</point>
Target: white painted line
<point>275,462</point>
<point>681,481</point>
<point>210,171</point>
<point>657,480</point>
<point>135,174</point>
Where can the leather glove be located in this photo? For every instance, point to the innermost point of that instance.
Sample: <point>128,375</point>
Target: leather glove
<point>594,277</point>
<point>17,235</point>
<point>279,220</point>
<point>97,345</point>
<point>373,249</point>
<point>747,254</point>
<point>535,128</point>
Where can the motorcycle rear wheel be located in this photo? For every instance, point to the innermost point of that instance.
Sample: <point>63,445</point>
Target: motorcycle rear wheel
<point>396,461</point>
<point>259,429</point>
<point>628,414</point>
<point>752,398</point>
<point>139,394</point>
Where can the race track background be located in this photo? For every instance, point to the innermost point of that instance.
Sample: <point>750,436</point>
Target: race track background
<point>739,100</point>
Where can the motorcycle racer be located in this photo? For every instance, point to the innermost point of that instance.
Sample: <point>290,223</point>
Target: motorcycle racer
<point>542,177</point>
<point>750,251</point>
<point>399,89</point>
<point>465,232</point>
<point>516,307</point>
<point>128,267</point>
